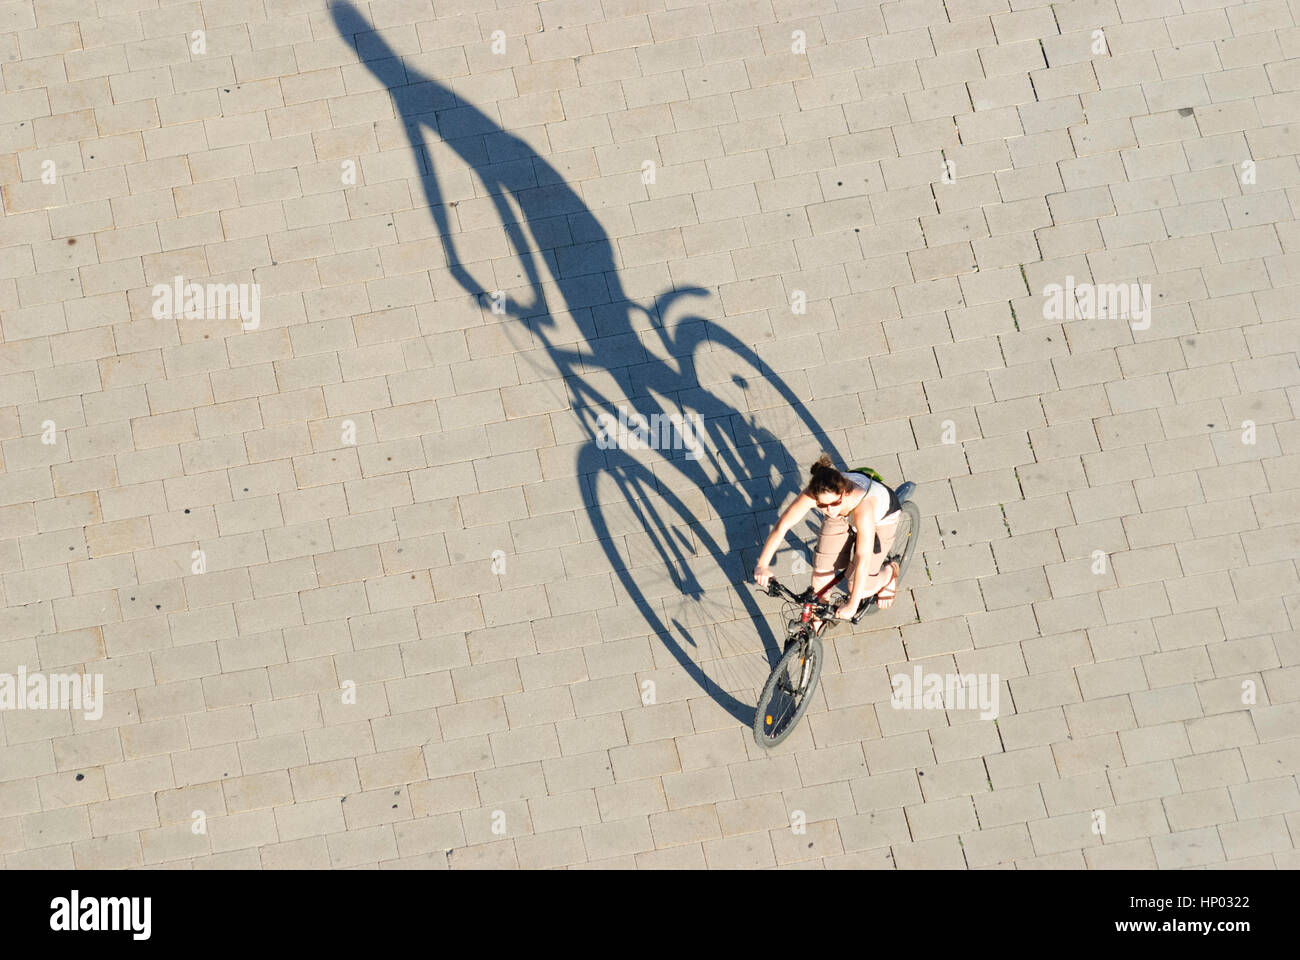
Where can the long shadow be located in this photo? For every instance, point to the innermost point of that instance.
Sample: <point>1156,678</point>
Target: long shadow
<point>744,473</point>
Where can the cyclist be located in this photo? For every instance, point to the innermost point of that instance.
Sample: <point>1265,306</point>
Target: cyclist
<point>861,519</point>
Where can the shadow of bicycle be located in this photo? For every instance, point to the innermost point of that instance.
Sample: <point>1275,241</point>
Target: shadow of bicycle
<point>683,572</point>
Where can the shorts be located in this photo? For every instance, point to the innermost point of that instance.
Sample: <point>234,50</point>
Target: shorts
<point>834,550</point>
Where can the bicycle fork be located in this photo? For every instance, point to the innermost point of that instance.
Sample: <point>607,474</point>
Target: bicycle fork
<point>805,664</point>
<point>805,667</point>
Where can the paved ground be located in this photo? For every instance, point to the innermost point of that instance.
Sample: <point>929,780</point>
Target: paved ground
<point>466,634</point>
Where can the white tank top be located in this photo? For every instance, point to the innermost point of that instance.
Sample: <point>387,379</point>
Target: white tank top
<point>863,482</point>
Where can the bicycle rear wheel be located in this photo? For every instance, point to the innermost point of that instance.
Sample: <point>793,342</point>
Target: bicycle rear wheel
<point>906,537</point>
<point>788,692</point>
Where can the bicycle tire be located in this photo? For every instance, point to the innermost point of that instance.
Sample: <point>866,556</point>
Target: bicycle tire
<point>789,659</point>
<point>906,538</point>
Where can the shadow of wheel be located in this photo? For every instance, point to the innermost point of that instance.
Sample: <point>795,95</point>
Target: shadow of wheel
<point>661,516</point>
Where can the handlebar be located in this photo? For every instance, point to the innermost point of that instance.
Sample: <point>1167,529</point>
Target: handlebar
<point>821,608</point>
<point>777,589</point>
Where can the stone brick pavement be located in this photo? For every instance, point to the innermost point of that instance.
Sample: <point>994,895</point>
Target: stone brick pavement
<point>366,589</point>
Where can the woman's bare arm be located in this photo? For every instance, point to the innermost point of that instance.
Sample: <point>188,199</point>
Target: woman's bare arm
<point>792,515</point>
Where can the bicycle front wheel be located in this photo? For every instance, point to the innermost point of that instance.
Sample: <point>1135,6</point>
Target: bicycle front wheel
<point>788,692</point>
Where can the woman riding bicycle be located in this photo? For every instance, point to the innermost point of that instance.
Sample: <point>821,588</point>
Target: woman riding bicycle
<point>861,519</point>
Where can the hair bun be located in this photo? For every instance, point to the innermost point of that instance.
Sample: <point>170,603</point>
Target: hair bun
<point>824,477</point>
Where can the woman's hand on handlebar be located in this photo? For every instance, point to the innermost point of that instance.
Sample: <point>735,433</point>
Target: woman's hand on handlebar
<point>762,575</point>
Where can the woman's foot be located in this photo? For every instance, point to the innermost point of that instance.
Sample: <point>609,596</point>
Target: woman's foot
<point>885,598</point>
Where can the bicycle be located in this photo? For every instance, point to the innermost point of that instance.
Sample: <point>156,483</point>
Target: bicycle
<point>789,689</point>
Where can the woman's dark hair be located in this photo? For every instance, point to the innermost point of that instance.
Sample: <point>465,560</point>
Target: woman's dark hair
<point>824,478</point>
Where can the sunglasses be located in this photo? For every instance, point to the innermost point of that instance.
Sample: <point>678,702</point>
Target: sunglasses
<point>833,503</point>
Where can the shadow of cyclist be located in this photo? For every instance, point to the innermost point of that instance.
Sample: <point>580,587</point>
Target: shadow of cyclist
<point>630,354</point>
